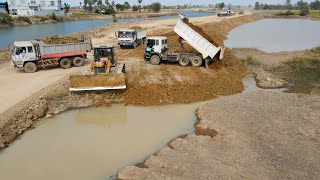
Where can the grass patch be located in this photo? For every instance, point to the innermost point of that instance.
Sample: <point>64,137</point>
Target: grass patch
<point>304,69</point>
<point>24,19</point>
<point>6,19</point>
<point>314,12</point>
<point>252,61</point>
<point>288,13</point>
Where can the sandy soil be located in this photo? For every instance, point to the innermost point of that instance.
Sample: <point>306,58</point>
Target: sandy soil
<point>259,135</point>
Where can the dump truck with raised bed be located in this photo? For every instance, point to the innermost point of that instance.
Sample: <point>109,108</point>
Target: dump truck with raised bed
<point>156,49</point>
<point>31,55</point>
<point>226,13</point>
<point>131,37</point>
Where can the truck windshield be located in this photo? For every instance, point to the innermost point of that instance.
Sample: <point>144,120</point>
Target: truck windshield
<point>151,42</point>
<point>124,34</point>
<point>19,50</point>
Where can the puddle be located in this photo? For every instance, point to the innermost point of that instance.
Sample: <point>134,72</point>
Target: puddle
<point>94,143</point>
<point>275,35</point>
<point>250,85</point>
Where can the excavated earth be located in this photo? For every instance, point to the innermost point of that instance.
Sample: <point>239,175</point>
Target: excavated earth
<point>257,135</point>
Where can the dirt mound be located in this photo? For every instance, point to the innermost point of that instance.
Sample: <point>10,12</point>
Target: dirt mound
<point>60,40</point>
<point>101,80</point>
<point>135,27</point>
<point>202,33</point>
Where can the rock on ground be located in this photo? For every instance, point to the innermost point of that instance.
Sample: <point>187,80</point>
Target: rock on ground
<point>260,135</point>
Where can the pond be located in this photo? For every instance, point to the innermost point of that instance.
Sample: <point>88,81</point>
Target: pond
<point>276,35</point>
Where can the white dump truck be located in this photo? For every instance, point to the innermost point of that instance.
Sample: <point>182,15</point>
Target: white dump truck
<point>156,49</point>
<point>30,55</point>
<point>131,37</point>
<point>226,13</point>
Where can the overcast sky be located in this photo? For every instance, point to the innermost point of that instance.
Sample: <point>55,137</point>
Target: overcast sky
<point>198,2</point>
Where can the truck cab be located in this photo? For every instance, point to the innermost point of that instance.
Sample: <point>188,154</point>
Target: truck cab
<point>155,45</point>
<point>22,52</point>
<point>126,37</point>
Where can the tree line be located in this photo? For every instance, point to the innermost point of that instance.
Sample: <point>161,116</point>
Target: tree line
<point>107,7</point>
<point>288,5</point>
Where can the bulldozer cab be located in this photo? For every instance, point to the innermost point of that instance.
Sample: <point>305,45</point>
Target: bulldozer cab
<point>100,53</point>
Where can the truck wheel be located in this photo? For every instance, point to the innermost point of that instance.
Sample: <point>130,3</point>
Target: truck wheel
<point>134,45</point>
<point>184,61</point>
<point>196,61</point>
<point>155,60</point>
<point>78,61</point>
<point>30,67</point>
<point>65,63</point>
<point>121,46</point>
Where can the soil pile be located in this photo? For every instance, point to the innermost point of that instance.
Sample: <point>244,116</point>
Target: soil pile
<point>5,56</point>
<point>60,40</point>
<point>202,33</point>
<point>100,80</point>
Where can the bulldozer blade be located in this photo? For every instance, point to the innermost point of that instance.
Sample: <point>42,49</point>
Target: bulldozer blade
<point>97,82</point>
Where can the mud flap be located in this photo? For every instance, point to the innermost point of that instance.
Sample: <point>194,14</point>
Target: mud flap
<point>207,61</point>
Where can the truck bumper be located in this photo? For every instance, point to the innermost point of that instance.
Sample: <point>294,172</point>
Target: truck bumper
<point>17,64</point>
<point>126,44</point>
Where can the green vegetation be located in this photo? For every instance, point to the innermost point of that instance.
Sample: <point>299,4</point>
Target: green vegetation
<point>135,8</point>
<point>6,19</point>
<point>300,5</point>
<point>220,5</point>
<point>114,18</point>
<point>252,61</point>
<point>66,8</point>
<point>156,7</point>
<point>24,19</point>
<point>288,13</point>
<point>304,71</point>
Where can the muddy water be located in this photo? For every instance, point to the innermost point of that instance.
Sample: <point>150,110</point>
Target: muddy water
<point>94,143</point>
<point>250,85</point>
<point>275,35</point>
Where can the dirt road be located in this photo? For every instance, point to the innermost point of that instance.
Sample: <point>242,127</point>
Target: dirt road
<point>16,85</point>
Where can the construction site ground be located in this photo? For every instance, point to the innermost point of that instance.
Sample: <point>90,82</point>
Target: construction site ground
<point>29,97</point>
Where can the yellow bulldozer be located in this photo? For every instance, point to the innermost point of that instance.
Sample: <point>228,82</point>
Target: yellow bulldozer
<point>104,73</point>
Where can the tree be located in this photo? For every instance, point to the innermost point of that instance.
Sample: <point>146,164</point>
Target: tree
<point>126,5</point>
<point>221,5</point>
<point>66,8</point>
<point>107,2</point>
<point>156,7</point>
<point>315,5</point>
<point>140,1</point>
<point>112,3</point>
<point>120,7</point>
<point>288,4</point>
<point>304,8</point>
<point>135,8</point>
<point>257,6</point>
<point>99,3</point>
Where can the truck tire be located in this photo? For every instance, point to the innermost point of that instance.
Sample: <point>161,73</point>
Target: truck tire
<point>184,60</point>
<point>135,45</point>
<point>78,61</point>
<point>30,67</point>
<point>121,46</point>
<point>155,60</point>
<point>65,63</point>
<point>196,61</point>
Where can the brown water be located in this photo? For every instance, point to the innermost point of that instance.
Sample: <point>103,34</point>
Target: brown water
<point>94,143</point>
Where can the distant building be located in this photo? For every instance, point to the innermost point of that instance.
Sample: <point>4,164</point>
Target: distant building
<point>34,7</point>
<point>4,7</point>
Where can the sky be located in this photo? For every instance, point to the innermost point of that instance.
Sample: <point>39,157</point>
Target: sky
<point>197,2</point>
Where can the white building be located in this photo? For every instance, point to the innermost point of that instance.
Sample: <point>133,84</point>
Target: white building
<point>34,7</point>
